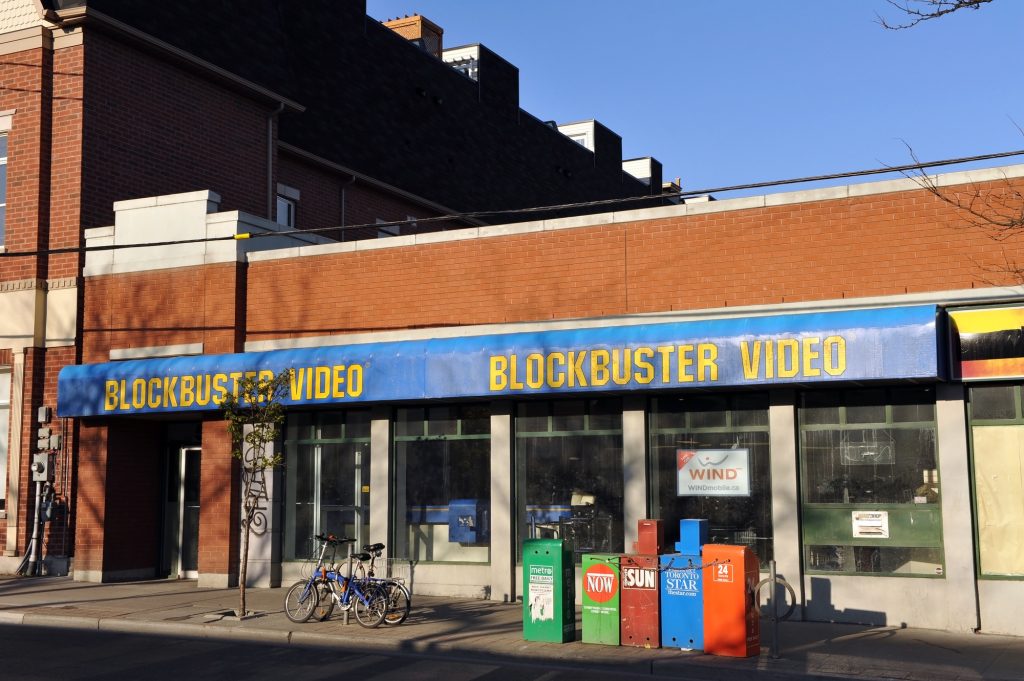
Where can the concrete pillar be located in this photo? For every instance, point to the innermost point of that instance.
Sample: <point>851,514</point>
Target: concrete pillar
<point>503,511</point>
<point>957,509</point>
<point>17,410</point>
<point>785,471</point>
<point>264,567</point>
<point>634,467</point>
<point>380,483</point>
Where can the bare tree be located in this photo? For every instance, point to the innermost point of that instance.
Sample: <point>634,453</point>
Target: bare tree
<point>254,415</point>
<point>917,11</point>
<point>996,209</point>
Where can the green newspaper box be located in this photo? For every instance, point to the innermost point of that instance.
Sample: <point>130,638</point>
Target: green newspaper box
<point>600,584</point>
<point>549,598</point>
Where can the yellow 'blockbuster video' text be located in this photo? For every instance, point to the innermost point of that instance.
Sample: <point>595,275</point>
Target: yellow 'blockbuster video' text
<point>334,382</point>
<point>758,360</point>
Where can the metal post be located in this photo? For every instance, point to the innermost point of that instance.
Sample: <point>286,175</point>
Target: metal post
<point>348,588</point>
<point>771,608</point>
<point>33,559</point>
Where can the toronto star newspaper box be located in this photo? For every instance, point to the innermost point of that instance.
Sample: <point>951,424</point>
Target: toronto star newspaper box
<point>549,594</point>
<point>600,584</point>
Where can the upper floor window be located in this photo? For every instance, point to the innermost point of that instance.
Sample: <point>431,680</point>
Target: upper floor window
<point>287,204</point>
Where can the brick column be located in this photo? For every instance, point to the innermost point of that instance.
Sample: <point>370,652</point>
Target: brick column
<point>117,504</point>
<point>219,515</point>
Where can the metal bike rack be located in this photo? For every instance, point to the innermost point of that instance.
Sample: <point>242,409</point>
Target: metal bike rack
<point>775,581</point>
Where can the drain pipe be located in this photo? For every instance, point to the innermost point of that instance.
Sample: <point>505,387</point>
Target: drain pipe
<point>271,189</point>
<point>343,204</point>
<point>33,555</point>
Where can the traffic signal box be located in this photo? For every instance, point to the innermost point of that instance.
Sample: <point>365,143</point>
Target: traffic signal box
<point>600,584</point>
<point>732,625</point>
<point>549,598</point>
<point>682,591</point>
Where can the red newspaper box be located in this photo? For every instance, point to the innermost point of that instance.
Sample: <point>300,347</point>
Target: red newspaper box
<point>650,537</point>
<point>640,601</point>
<point>732,623</point>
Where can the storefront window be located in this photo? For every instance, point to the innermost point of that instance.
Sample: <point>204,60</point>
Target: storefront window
<point>710,459</point>
<point>569,473</point>
<point>870,482</point>
<point>997,433</point>
<point>443,483</point>
<point>327,478</point>
<point>5,420</point>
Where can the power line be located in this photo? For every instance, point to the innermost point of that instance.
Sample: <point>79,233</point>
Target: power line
<point>528,211</point>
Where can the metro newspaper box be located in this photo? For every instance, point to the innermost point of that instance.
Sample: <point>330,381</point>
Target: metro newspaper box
<point>732,620</point>
<point>549,594</point>
<point>600,584</point>
<point>682,602</point>
<point>639,601</point>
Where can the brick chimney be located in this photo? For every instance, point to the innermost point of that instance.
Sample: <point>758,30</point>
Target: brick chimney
<point>419,30</point>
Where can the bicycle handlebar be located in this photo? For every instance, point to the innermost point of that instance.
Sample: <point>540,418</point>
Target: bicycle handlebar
<point>331,539</point>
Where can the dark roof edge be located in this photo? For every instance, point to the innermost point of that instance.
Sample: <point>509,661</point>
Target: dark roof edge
<point>88,16</point>
<point>327,163</point>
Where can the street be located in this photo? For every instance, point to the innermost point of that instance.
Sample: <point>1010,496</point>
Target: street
<point>40,653</point>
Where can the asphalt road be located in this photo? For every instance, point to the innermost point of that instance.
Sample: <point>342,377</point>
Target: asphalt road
<point>52,654</point>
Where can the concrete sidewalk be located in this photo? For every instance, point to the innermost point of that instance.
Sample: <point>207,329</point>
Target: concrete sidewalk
<point>473,629</point>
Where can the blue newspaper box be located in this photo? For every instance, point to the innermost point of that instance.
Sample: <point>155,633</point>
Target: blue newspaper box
<point>693,534</point>
<point>682,601</point>
<point>468,521</point>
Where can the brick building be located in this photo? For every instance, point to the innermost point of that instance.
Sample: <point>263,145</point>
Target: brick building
<point>837,355</point>
<point>830,377</point>
<point>357,130</point>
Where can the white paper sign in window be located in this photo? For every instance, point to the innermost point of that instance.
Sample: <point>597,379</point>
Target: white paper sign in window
<point>713,472</point>
<point>870,524</point>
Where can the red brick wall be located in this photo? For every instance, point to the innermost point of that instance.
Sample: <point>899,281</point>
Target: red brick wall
<point>884,244</point>
<point>164,307</point>
<point>322,192</point>
<point>26,79</point>
<point>66,161</point>
<point>154,128</point>
<point>219,499</point>
<point>91,501</point>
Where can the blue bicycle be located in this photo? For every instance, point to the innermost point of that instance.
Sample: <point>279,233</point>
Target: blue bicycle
<point>327,587</point>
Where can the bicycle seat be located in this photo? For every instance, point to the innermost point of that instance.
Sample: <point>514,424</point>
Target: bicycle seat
<point>361,556</point>
<point>373,548</point>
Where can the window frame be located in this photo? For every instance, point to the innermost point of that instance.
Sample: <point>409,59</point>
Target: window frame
<point>842,403</point>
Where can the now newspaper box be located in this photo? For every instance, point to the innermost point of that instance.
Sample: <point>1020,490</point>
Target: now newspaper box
<point>600,584</point>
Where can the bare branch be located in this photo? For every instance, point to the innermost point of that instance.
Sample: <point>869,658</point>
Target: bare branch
<point>925,10</point>
<point>996,210</point>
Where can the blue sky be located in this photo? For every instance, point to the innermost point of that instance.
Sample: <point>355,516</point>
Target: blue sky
<point>727,92</point>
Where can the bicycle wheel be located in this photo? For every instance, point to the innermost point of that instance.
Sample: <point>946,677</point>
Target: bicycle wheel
<point>371,613</point>
<point>399,603</point>
<point>301,600</point>
<point>325,601</point>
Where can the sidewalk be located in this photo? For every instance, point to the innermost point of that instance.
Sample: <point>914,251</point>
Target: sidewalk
<point>472,629</point>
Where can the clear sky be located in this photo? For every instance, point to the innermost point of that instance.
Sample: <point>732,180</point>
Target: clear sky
<point>727,92</point>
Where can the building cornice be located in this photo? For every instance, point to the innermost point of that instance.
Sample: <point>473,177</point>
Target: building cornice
<point>853,191</point>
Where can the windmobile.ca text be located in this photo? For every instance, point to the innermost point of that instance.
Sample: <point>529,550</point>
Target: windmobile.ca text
<point>713,488</point>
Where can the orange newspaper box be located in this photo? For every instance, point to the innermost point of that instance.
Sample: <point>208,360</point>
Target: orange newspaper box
<point>732,623</point>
